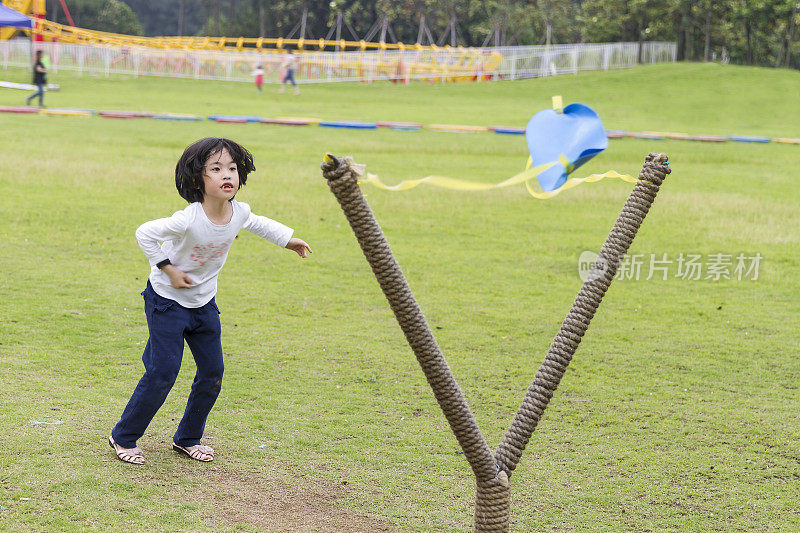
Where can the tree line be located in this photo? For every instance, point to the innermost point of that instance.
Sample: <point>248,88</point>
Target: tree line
<point>752,32</point>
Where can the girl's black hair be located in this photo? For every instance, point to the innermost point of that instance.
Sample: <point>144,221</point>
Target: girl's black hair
<point>189,170</point>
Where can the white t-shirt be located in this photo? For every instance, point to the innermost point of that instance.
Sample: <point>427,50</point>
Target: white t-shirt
<point>198,247</point>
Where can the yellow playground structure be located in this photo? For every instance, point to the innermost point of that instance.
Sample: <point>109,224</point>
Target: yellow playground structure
<point>400,61</point>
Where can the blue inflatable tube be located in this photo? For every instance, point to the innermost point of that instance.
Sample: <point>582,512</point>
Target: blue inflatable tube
<point>510,131</point>
<point>749,139</point>
<point>348,124</point>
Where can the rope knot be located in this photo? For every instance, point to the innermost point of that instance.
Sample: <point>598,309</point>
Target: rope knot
<point>335,167</point>
<point>655,169</point>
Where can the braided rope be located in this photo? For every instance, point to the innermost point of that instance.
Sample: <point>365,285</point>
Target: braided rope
<point>343,182</point>
<point>492,473</point>
<point>493,504</point>
<point>583,309</point>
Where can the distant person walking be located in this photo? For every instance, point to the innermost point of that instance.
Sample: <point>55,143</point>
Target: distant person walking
<point>259,77</point>
<point>39,79</point>
<point>289,65</point>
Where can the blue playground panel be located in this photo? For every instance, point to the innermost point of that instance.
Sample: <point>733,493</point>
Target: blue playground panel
<point>348,124</point>
<point>749,139</point>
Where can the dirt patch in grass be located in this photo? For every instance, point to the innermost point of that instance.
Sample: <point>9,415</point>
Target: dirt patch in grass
<point>274,504</point>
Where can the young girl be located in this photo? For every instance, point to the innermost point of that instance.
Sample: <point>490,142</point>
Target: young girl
<point>186,253</point>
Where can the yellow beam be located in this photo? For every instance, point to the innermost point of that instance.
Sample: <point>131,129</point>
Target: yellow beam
<point>69,34</point>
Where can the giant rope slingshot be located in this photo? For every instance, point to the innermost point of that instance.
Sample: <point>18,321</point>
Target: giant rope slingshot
<point>492,471</point>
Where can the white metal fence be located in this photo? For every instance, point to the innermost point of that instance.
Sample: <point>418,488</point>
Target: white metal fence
<point>320,67</point>
<point>540,61</point>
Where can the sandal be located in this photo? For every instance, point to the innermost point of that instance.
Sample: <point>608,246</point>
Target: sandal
<point>133,456</point>
<point>198,452</point>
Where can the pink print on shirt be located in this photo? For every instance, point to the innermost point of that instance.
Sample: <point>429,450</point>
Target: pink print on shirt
<point>209,252</point>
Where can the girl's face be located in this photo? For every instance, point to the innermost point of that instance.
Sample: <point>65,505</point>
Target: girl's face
<point>220,176</point>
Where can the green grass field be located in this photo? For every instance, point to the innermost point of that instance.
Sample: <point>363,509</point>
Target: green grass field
<point>679,411</point>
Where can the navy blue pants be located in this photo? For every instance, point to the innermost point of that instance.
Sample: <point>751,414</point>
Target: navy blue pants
<point>289,77</point>
<point>39,92</point>
<point>169,324</point>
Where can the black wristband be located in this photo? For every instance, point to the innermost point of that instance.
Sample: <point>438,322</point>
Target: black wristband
<point>162,264</point>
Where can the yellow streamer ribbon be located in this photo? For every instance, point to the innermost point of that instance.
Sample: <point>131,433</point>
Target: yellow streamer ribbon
<point>451,183</point>
<point>526,176</point>
<point>537,191</point>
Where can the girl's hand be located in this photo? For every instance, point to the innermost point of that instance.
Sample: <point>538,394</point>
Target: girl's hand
<point>300,246</point>
<point>177,278</point>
